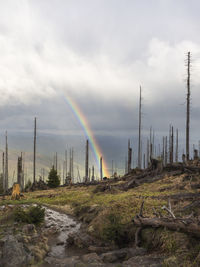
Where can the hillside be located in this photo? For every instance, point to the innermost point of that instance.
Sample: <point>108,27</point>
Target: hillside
<point>107,211</point>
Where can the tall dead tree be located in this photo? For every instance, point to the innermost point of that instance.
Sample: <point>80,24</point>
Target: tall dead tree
<point>92,173</point>
<point>6,163</point>
<point>72,162</point>
<point>166,156</point>
<point>20,173</point>
<point>56,159</point>
<point>163,150</point>
<point>113,167</point>
<point>101,168</point>
<point>86,160</point>
<point>66,163</point>
<point>129,156</point>
<point>172,145</point>
<point>64,175</point>
<point>34,153</point>
<point>150,145</point>
<point>147,153</point>
<point>139,137</point>
<point>169,149</point>
<point>176,145</point>
<point>188,110</point>
<point>153,144</point>
<point>3,171</point>
<point>89,177</point>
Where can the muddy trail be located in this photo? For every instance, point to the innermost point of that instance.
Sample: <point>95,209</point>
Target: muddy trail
<point>61,225</point>
<point>63,253</point>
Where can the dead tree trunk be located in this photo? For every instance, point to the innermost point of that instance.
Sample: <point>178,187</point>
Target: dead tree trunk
<point>139,138</point>
<point>147,152</point>
<point>6,164</point>
<point>170,136</point>
<point>3,171</point>
<point>166,156</point>
<point>129,156</point>
<point>184,225</point>
<point>150,143</point>
<point>34,153</point>
<point>101,168</point>
<point>92,173</point>
<point>172,145</point>
<point>163,150</point>
<point>20,173</point>
<point>153,144</point>
<point>188,110</point>
<point>176,145</point>
<point>72,167</point>
<point>56,161</point>
<point>86,160</point>
<point>70,163</point>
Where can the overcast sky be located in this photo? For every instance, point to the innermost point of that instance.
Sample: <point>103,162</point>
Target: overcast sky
<point>98,52</point>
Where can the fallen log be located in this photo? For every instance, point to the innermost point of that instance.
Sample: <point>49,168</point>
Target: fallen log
<point>186,225</point>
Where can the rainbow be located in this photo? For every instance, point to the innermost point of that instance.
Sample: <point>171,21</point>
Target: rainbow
<point>89,135</point>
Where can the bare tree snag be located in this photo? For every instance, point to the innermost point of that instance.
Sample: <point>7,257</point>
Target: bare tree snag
<point>129,156</point>
<point>172,145</point>
<point>176,146</point>
<point>188,110</point>
<point>101,168</point>
<point>34,153</point>
<point>92,173</point>
<point>66,169</point>
<point>72,167</point>
<point>6,164</point>
<point>3,171</point>
<point>86,160</point>
<point>147,152</point>
<point>20,173</point>
<point>56,161</point>
<point>166,156</point>
<point>139,138</point>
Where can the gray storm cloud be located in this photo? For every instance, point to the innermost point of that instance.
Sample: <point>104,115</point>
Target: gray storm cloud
<point>98,53</point>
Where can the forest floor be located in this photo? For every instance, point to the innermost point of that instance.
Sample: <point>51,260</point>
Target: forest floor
<point>107,210</point>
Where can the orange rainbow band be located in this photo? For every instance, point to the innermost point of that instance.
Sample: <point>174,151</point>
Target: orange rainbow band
<point>89,134</point>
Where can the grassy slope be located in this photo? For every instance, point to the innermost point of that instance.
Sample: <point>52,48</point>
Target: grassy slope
<point>125,205</point>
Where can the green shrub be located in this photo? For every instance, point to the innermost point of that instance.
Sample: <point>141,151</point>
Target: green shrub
<point>114,231</point>
<point>53,178</point>
<point>33,215</point>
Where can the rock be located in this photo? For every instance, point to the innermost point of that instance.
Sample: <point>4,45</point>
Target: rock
<point>13,253</point>
<point>99,250</point>
<point>61,243</point>
<point>91,258</point>
<point>144,261</point>
<point>80,240</point>
<point>122,254</point>
<point>66,262</point>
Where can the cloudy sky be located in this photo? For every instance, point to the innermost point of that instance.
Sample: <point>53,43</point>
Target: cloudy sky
<point>98,52</point>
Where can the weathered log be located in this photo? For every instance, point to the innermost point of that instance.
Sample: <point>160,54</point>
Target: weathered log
<point>186,225</point>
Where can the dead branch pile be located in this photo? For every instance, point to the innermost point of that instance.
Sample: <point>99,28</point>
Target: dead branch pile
<point>189,224</point>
